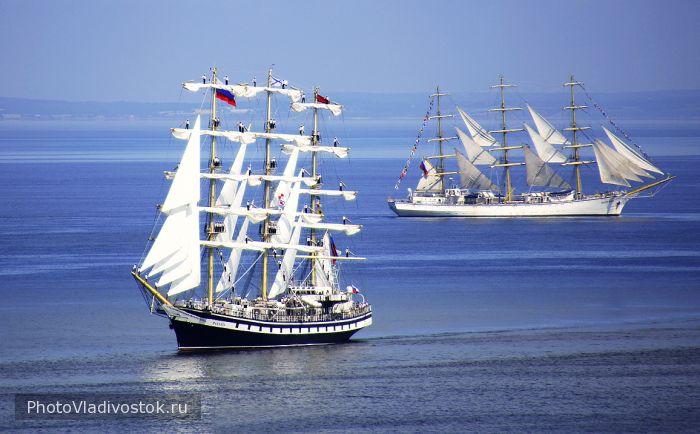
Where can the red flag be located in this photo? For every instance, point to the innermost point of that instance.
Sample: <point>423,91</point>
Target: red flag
<point>322,99</point>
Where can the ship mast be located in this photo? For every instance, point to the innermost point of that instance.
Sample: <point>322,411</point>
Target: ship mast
<point>266,194</point>
<point>574,142</point>
<point>505,130</point>
<point>441,157</point>
<point>314,202</point>
<point>212,192</point>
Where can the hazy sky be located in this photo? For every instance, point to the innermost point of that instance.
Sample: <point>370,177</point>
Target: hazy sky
<point>141,50</point>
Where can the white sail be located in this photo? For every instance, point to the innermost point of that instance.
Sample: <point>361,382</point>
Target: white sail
<point>259,246</point>
<point>544,149</point>
<point>255,180</point>
<point>230,187</point>
<point>478,133</point>
<point>430,181</point>
<point>284,187</point>
<point>477,155</point>
<point>247,137</point>
<point>325,276</point>
<point>228,275</point>
<point>471,177</point>
<point>632,155</point>
<point>175,251</point>
<point>547,130</point>
<point>338,151</point>
<point>286,266</point>
<point>613,168</point>
<point>348,229</point>
<point>540,174</point>
<point>336,109</point>
<point>290,205</point>
<point>346,194</point>
<point>184,190</point>
<point>244,91</point>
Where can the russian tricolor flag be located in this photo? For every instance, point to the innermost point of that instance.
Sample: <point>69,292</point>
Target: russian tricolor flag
<point>226,96</point>
<point>423,168</point>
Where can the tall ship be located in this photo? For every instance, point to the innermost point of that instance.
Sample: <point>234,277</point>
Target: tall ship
<point>245,257</point>
<point>485,167</point>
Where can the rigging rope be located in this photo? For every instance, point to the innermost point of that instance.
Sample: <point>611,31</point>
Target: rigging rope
<point>415,145</point>
<point>617,128</point>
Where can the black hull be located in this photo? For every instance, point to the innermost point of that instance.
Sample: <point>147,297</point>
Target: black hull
<point>232,333</point>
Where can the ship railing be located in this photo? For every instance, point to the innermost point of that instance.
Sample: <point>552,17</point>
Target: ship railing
<point>279,315</point>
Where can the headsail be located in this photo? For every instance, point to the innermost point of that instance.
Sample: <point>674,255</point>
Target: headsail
<point>613,167</point>
<point>632,155</point>
<point>175,251</point>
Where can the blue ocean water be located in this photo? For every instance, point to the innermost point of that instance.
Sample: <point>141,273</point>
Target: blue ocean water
<point>562,324</point>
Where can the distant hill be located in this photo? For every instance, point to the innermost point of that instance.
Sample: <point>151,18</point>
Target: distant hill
<point>658,105</point>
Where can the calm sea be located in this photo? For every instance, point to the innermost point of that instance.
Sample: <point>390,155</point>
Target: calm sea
<point>562,324</point>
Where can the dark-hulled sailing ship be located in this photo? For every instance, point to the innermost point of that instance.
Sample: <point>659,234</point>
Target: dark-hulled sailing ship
<point>223,284</point>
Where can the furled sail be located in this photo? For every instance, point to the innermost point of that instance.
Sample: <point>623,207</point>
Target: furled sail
<point>430,181</point>
<point>478,156</point>
<point>547,130</point>
<point>247,137</point>
<point>348,229</point>
<point>540,174</point>
<point>338,151</point>
<point>255,180</point>
<point>244,91</point>
<point>544,149</point>
<point>336,109</point>
<point>478,133</point>
<point>632,155</point>
<point>613,167</point>
<point>471,177</point>
<point>346,194</point>
<point>175,251</point>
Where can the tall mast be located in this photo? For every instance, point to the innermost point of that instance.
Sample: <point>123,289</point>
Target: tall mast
<point>266,194</point>
<point>314,142</point>
<point>439,116</point>
<point>212,192</point>
<point>574,130</point>
<point>505,130</point>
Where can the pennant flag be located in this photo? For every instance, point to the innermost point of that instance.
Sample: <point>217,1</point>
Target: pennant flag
<point>423,168</point>
<point>322,99</point>
<point>226,96</point>
<point>334,249</point>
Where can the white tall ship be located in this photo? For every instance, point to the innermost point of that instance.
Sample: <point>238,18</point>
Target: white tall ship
<point>229,267</point>
<point>549,194</point>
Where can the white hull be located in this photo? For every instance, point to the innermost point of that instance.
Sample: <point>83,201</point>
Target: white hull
<point>587,206</point>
